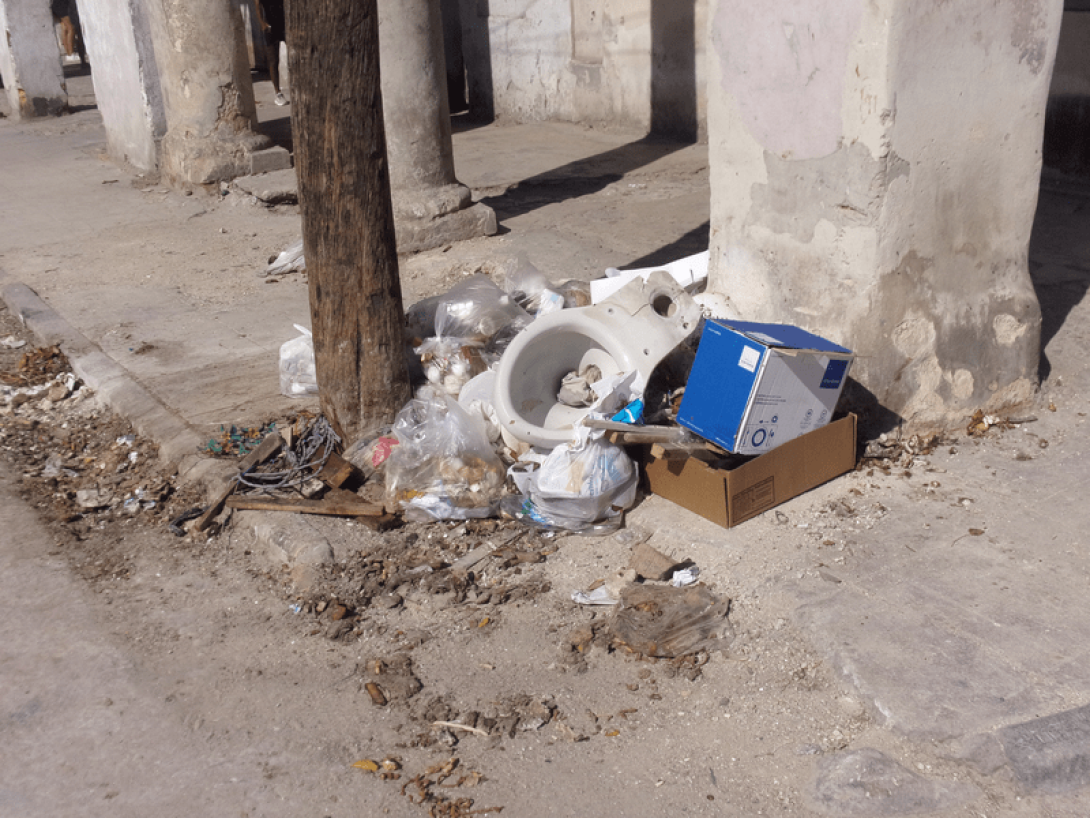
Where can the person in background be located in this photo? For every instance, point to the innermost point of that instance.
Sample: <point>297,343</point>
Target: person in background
<point>66,14</point>
<point>270,16</point>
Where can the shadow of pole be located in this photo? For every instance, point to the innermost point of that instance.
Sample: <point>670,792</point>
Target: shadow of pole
<point>583,177</point>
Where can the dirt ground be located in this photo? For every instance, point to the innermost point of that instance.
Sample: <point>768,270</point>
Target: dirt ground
<point>543,709</point>
<point>393,686</point>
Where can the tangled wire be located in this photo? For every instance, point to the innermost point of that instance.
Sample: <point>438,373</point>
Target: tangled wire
<point>300,463</point>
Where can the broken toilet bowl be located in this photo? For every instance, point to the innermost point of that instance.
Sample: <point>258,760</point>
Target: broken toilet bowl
<point>633,330</point>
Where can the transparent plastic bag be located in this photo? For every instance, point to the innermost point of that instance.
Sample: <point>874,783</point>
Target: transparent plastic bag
<point>450,363</point>
<point>297,373</point>
<point>370,453</point>
<point>443,467</point>
<point>477,309</point>
<point>580,487</point>
<point>531,290</point>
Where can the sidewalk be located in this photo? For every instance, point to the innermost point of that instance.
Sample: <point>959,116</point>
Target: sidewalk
<point>950,594</point>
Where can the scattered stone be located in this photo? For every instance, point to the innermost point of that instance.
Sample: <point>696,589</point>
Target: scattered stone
<point>93,498</point>
<point>869,783</point>
<point>650,563</point>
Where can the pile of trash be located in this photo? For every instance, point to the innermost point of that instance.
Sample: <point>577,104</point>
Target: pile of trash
<point>529,394</point>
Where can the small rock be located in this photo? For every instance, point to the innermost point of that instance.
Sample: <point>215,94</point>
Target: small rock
<point>386,602</point>
<point>58,392</point>
<point>93,498</point>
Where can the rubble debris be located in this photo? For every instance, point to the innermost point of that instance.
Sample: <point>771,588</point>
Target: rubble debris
<point>237,441</point>
<point>269,446</point>
<point>38,366</point>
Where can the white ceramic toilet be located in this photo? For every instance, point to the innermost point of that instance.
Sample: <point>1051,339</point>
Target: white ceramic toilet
<point>633,330</point>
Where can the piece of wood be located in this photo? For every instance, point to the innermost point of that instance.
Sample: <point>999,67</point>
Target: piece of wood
<point>330,507</point>
<point>336,471</point>
<point>269,446</point>
<point>347,213</point>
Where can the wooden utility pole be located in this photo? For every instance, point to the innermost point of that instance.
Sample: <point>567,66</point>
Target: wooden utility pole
<point>348,220</point>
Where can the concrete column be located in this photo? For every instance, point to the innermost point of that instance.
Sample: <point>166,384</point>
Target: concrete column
<point>874,175</point>
<point>30,59</point>
<point>431,207</point>
<point>117,34</point>
<point>205,77</point>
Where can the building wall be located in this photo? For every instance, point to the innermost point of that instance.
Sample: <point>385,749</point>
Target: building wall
<point>126,79</point>
<point>607,63</point>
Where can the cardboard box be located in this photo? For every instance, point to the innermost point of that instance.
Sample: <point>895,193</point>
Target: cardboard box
<point>731,496</point>
<point>754,387</point>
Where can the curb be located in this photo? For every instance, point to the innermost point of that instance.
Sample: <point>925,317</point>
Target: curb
<point>112,383</point>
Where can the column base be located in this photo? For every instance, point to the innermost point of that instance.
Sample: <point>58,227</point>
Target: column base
<point>188,159</point>
<point>431,217</point>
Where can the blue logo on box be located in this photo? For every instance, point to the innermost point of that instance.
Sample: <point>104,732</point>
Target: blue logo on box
<point>834,374</point>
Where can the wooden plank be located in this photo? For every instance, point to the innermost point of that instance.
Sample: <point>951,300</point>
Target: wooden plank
<point>269,446</point>
<point>335,507</point>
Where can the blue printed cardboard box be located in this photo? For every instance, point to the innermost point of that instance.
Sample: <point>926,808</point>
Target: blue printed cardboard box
<point>755,386</point>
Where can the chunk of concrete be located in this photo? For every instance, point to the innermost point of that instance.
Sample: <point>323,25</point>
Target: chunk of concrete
<point>1050,754</point>
<point>867,782</point>
<point>269,160</point>
<point>278,187</point>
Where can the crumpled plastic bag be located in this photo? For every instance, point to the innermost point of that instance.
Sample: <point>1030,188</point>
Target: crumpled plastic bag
<point>370,453</point>
<point>297,373</point>
<point>476,309</point>
<point>443,467</point>
<point>583,486</point>
<point>666,622</point>
<point>531,290</point>
<point>290,260</point>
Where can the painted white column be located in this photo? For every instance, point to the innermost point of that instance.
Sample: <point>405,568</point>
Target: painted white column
<point>209,99</point>
<point>874,175</point>
<point>30,59</point>
<point>431,207</point>
<point>117,34</point>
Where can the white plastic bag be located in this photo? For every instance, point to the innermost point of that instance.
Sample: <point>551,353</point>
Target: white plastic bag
<point>581,486</point>
<point>289,261</point>
<point>297,374</point>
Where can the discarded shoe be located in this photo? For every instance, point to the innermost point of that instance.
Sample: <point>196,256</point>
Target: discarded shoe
<point>280,99</point>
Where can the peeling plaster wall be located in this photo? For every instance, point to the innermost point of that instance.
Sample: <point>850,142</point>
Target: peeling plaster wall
<point>601,62</point>
<point>126,79</point>
<point>30,61</point>
<point>874,174</point>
